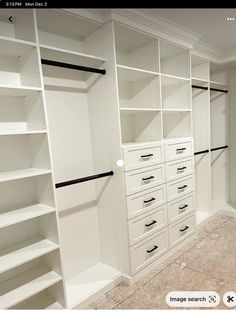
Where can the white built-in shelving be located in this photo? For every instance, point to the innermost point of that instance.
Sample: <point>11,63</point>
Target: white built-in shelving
<point>29,245</point>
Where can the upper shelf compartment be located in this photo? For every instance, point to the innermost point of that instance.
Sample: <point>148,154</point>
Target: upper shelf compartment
<point>18,64</point>
<point>218,75</point>
<point>200,68</point>
<point>174,60</point>
<point>21,27</point>
<point>136,49</point>
<point>69,31</point>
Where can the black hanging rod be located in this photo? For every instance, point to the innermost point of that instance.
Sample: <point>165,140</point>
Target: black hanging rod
<point>219,90</point>
<point>73,66</point>
<point>201,152</point>
<point>219,148</point>
<point>199,87</point>
<point>84,179</point>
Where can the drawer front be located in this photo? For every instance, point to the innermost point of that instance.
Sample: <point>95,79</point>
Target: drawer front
<point>145,201</point>
<point>147,251</point>
<point>177,150</point>
<point>178,188</point>
<point>142,227</point>
<point>144,155</point>
<point>179,208</point>
<point>179,231</point>
<point>179,168</point>
<point>142,179</point>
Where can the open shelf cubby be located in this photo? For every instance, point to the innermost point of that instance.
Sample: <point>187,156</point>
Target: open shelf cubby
<point>22,285</point>
<point>23,152</point>
<point>33,197</point>
<point>176,93</point>
<point>174,60</point>
<point>138,89</point>
<point>199,68</point>
<point>218,75</point>
<point>19,26</point>
<point>176,124</point>
<point>18,64</point>
<point>22,114</point>
<point>136,49</point>
<point>68,31</point>
<point>137,127</point>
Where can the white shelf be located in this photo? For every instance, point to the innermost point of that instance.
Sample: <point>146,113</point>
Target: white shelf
<point>41,302</point>
<point>217,84</point>
<point>128,110</point>
<point>199,80</point>
<point>24,132</point>
<point>170,110</point>
<point>127,73</point>
<point>19,41</point>
<point>131,144</point>
<point>23,252</point>
<point>26,285</point>
<point>8,90</point>
<point>22,214</point>
<point>71,52</point>
<point>21,174</point>
<point>176,77</point>
<point>84,285</point>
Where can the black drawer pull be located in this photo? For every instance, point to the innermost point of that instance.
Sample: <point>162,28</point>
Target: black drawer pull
<point>183,207</point>
<point>181,168</point>
<point>147,155</point>
<point>151,250</point>
<point>181,149</point>
<point>149,200</point>
<point>150,224</point>
<point>184,229</point>
<point>149,178</point>
<point>182,187</point>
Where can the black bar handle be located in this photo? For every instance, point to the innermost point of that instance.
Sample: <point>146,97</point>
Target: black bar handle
<point>219,90</point>
<point>182,187</point>
<point>150,224</point>
<point>201,152</point>
<point>149,200</point>
<point>151,250</point>
<point>147,155</point>
<point>184,229</point>
<point>149,178</point>
<point>219,148</point>
<point>84,179</point>
<point>199,87</point>
<point>73,66</point>
<point>180,149</point>
<point>183,207</point>
<point>181,168</point>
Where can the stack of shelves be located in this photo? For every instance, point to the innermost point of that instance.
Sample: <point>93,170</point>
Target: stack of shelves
<point>156,129</point>
<point>29,249</point>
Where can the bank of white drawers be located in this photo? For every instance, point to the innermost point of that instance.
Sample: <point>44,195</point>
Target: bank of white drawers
<point>159,179</point>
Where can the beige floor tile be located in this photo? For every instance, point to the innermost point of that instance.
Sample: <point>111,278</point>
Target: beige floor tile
<point>147,297</point>
<point>215,222</point>
<point>102,303</point>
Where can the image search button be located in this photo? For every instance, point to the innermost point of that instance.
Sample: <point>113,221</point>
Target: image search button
<point>196,299</point>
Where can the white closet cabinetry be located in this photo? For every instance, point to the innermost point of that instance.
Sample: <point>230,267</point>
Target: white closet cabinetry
<point>29,245</point>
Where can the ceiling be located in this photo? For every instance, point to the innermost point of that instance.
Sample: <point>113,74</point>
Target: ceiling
<point>211,24</point>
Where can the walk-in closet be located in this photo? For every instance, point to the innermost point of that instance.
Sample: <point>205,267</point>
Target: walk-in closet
<point>117,146</point>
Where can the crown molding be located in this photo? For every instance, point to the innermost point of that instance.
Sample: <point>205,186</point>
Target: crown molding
<point>142,20</point>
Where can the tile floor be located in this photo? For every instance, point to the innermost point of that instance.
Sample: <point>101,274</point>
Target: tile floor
<point>207,263</point>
